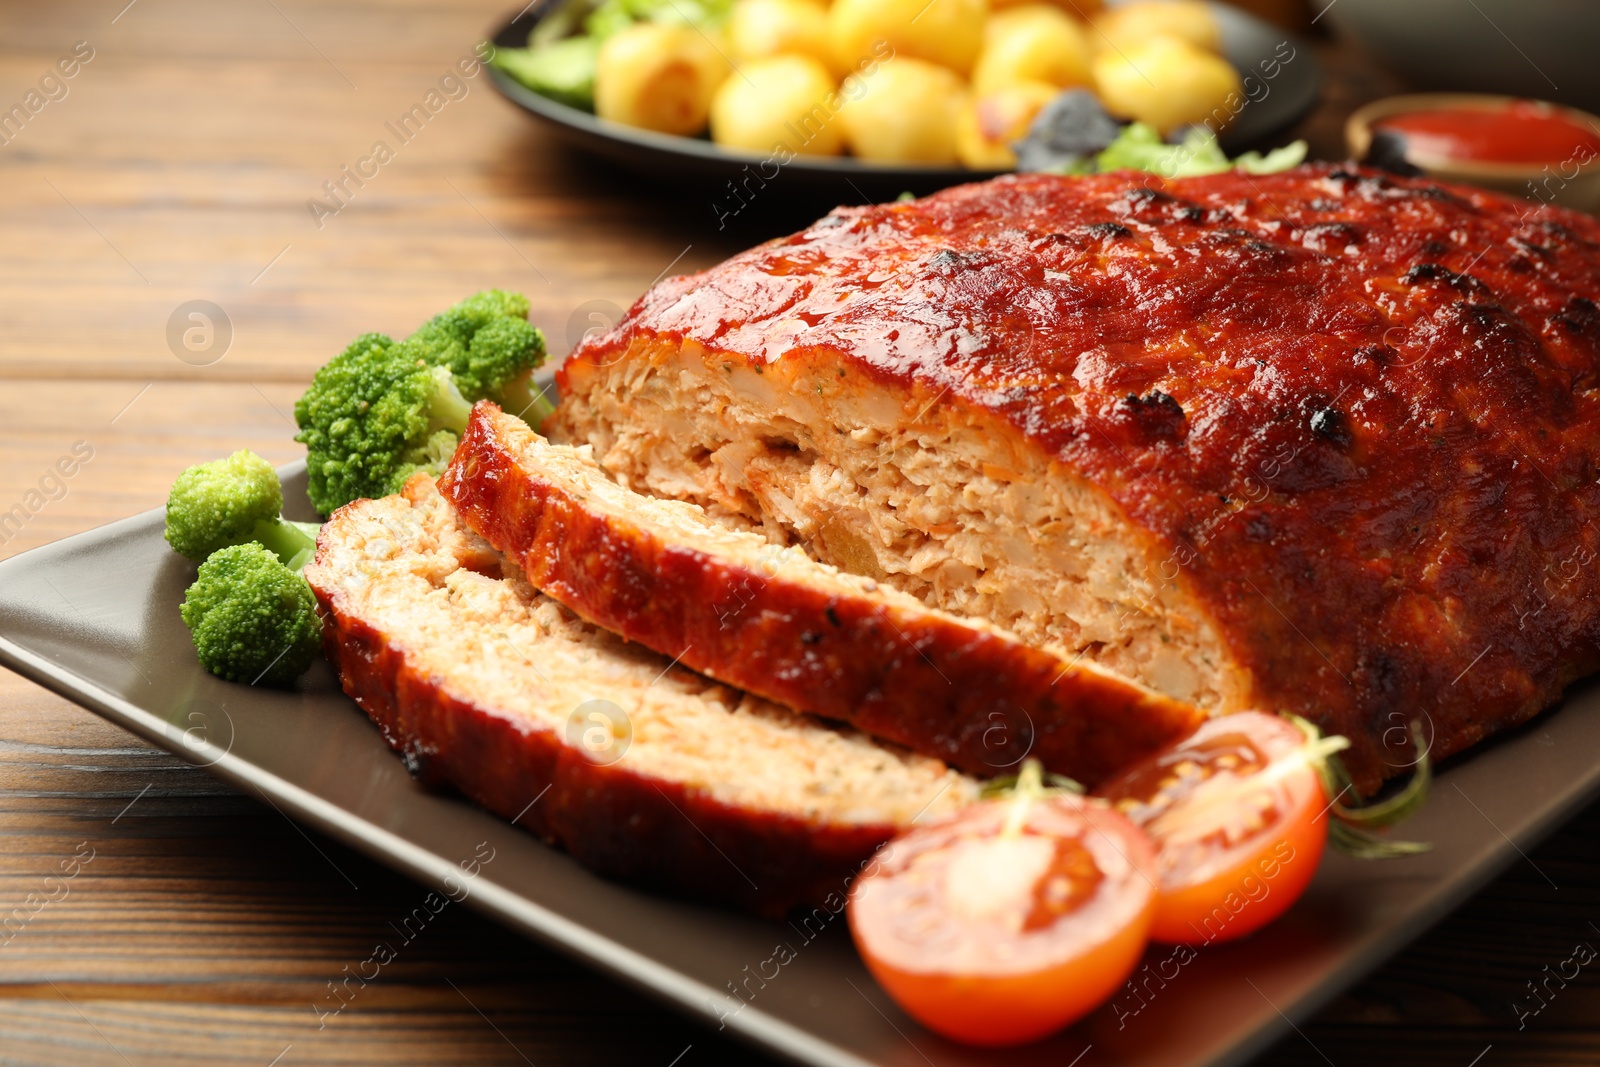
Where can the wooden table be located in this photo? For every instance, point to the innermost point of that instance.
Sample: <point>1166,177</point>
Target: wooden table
<point>177,167</point>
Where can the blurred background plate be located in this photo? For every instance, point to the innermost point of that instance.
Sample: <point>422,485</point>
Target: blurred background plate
<point>1543,49</point>
<point>1247,42</point>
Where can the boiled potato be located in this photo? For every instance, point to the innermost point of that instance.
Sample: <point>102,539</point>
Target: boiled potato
<point>947,32</point>
<point>906,111</point>
<point>1131,25</point>
<point>1035,42</point>
<point>1167,82</point>
<point>762,28</point>
<point>992,122</point>
<point>780,101</point>
<point>658,77</point>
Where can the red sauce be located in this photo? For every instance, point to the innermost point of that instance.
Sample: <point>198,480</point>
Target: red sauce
<point>1522,132</point>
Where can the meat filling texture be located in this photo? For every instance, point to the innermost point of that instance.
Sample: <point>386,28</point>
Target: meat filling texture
<point>467,618</point>
<point>914,493</point>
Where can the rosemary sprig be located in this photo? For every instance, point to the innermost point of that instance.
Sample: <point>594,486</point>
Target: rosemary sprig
<point>1048,783</point>
<point>1351,829</point>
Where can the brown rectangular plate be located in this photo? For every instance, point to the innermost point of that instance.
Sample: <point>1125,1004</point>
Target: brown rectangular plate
<point>95,618</point>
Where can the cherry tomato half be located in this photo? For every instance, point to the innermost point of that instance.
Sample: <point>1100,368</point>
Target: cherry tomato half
<point>1236,813</point>
<point>1009,919</point>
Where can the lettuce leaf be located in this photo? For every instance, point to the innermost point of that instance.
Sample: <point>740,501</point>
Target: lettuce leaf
<point>1140,147</point>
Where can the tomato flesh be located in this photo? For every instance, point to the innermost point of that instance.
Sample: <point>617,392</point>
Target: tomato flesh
<point>1236,841</point>
<point>997,927</point>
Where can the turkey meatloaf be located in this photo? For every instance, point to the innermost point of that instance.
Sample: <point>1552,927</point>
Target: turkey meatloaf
<point>640,768</point>
<point>1321,441</point>
<point>773,621</point>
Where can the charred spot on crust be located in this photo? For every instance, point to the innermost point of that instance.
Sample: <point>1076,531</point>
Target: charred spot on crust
<point>1157,414</point>
<point>1108,229</point>
<point>1435,192</point>
<point>1425,272</point>
<point>948,261</point>
<point>1331,425</point>
<point>1481,319</point>
<point>1321,234</point>
<point>1155,207</point>
<point>1562,235</point>
<point>1382,355</point>
<point>1386,674</point>
<point>420,764</point>
<point>1437,272</point>
<point>1580,316</point>
<point>809,637</point>
<point>1527,247</point>
<point>1258,528</point>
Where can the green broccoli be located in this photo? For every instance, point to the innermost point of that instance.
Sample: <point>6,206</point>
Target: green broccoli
<point>229,502</point>
<point>253,619</point>
<point>382,410</point>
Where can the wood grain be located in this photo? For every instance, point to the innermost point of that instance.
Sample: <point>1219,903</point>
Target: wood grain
<point>206,925</point>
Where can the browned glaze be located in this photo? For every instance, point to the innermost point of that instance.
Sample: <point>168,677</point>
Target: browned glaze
<point>1357,411</point>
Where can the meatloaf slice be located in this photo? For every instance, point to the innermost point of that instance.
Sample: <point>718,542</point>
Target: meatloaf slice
<point>489,686</point>
<point>1323,440</point>
<point>773,621</point>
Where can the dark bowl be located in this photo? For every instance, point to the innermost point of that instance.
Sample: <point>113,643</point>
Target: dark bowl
<point>1252,45</point>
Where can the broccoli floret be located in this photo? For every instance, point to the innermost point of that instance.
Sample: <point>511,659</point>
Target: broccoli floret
<point>368,418</point>
<point>253,619</point>
<point>229,502</point>
<point>382,410</point>
<point>486,341</point>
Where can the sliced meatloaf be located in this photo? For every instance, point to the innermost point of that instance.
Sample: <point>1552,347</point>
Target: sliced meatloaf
<point>672,779</point>
<point>773,621</point>
<point>1324,440</point>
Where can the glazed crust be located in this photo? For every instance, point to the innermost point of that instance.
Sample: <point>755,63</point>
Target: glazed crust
<point>620,823</point>
<point>1357,412</point>
<point>958,690</point>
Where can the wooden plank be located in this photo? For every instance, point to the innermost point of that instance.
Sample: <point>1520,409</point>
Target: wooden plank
<point>154,182</point>
<point>206,926</point>
<point>137,435</point>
